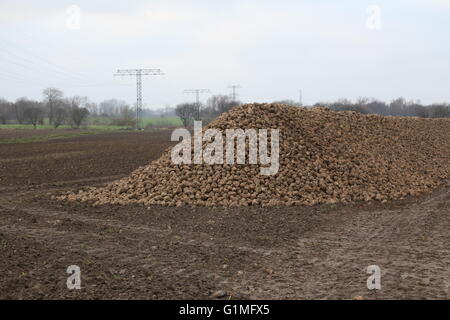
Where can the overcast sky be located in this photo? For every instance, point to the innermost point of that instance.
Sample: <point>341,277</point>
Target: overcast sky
<point>329,49</point>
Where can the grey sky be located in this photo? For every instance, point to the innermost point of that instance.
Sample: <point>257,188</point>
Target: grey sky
<point>271,48</point>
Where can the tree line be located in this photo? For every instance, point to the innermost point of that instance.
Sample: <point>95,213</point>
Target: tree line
<point>218,104</point>
<point>74,111</point>
<point>60,110</point>
<point>397,107</point>
<point>55,109</point>
<point>54,106</point>
<point>215,106</point>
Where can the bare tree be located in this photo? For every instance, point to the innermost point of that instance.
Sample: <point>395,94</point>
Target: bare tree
<point>186,112</point>
<point>93,108</point>
<point>398,106</point>
<point>5,111</point>
<point>60,116</point>
<point>77,116</point>
<point>439,111</point>
<point>51,97</point>
<point>126,118</point>
<point>111,107</point>
<point>219,104</point>
<point>77,112</point>
<point>34,114</point>
<point>19,109</point>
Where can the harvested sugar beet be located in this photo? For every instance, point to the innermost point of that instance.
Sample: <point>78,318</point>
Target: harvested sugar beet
<point>324,157</point>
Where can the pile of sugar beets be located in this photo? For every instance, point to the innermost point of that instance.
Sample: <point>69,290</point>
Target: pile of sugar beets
<point>323,157</point>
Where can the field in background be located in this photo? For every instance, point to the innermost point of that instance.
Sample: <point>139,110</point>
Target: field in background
<point>25,133</point>
<point>102,123</point>
<point>162,122</point>
<point>49,127</point>
<point>29,136</point>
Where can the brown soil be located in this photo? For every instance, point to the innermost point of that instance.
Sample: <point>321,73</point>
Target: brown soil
<point>132,252</point>
<point>6,134</point>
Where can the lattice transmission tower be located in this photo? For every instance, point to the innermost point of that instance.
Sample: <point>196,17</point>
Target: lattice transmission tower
<point>234,94</point>
<point>138,73</point>
<point>197,99</point>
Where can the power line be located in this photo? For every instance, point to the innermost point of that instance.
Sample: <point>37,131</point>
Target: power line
<point>35,37</point>
<point>37,71</point>
<point>30,61</point>
<point>56,67</point>
<point>10,77</point>
<point>37,77</point>
<point>197,99</point>
<point>138,73</point>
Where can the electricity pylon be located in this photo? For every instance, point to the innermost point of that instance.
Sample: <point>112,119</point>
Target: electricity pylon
<point>234,87</point>
<point>138,73</point>
<point>197,99</point>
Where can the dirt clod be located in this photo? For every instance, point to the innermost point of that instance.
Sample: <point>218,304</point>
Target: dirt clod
<point>218,294</point>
